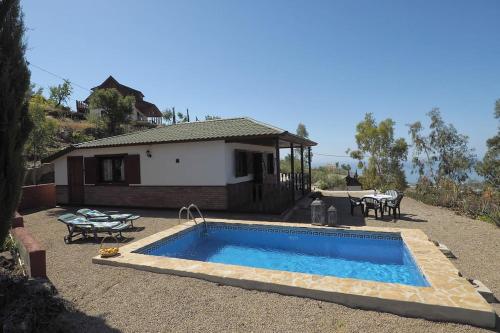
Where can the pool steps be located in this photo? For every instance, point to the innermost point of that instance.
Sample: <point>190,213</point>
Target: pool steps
<point>190,216</point>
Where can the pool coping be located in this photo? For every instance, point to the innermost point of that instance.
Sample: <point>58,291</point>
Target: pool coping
<point>448,298</point>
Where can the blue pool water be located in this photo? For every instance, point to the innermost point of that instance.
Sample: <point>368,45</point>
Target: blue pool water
<point>360,255</point>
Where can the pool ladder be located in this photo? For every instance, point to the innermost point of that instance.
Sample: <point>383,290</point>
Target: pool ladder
<point>190,216</point>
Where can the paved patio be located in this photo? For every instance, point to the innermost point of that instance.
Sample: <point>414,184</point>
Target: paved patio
<point>121,299</point>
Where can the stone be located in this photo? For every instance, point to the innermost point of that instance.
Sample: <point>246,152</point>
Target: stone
<point>484,291</point>
<point>446,251</point>
<point>6,255</point>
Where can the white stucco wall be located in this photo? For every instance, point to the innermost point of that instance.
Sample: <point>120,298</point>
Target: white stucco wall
<point>230,167</point>
<point>208,163</point>
<point>200,163</point>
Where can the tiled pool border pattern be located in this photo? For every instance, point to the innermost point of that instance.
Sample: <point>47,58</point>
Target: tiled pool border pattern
<point>343,233</point>
<point>449,297</point>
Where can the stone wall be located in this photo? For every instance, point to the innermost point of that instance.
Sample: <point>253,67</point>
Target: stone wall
<point>38,196</point>
<point>31,251</point>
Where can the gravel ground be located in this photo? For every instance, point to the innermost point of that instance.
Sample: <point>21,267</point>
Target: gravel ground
<point>112,299</point>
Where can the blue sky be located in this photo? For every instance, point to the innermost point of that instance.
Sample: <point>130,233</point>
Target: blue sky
<point>323,63</point>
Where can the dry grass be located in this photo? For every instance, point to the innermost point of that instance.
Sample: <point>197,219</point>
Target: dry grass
<point>80,125</point>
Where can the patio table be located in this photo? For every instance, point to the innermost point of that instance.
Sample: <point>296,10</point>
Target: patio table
<point>379,197</point>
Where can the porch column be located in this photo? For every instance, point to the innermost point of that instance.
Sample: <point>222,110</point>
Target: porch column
<point>292,171</point>
<point>309,166</point>
<point>277,157</point>
<point>302,169</point>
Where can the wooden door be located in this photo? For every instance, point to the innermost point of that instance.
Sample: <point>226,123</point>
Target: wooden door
<point>258,175</point>
<point>75,180</point>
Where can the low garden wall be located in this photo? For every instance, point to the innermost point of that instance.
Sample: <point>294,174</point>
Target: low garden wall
<point>38,196</point>
<point>31,251</point>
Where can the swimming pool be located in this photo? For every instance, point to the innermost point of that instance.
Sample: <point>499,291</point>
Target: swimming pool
<point>372,256</point>
<point>396,270</point>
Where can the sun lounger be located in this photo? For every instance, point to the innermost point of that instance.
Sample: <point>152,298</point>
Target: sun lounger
<point>108,216</point>
<point>80,225</point>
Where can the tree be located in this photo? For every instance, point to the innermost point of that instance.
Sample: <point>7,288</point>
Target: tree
<point>285,164</point>
<point>168,115</point>
<point>60,94</point>
<point>181,117</point>
<point>302,131</point>
<point>115,108</point>
<point>346,167</point>
<point>211,117</point>
<point>443,153</point>
<point>43,132</point>
<point>34,90</point>
<point>15,124</point>
<point>489,167</point>
<point>385,154</point>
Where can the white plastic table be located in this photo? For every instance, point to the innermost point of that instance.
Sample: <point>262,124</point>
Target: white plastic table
<point>379,197</point>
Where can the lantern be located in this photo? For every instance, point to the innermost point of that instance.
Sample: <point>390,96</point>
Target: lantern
<point>332,216</point>
<point>318,212</point>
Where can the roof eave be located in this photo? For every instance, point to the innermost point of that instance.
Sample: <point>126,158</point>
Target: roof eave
<point>287,136</point>
<point>58,154</point>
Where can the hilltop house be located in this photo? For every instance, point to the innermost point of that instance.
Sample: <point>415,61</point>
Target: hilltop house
<point>143,110</point>
<point>225,164</point>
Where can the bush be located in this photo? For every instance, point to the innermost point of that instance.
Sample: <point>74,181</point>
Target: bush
<point>329,177</point>
<point>483,205</point>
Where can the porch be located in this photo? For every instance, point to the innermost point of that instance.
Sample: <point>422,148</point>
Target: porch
<point>275,191</point>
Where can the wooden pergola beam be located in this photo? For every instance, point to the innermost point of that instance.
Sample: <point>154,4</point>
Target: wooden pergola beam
<point>277,157</point>
<point>309,166</point>
<point>292,171</point>
<point>302,169</point>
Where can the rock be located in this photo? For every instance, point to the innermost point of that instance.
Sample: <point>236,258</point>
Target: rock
<point>484,291</point>
<point>446,251</point>
<point>6,255</point>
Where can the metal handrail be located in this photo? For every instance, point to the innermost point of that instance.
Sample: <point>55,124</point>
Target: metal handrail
<point>190,216</point>
<point>199,213</point>
<point>184,208</point>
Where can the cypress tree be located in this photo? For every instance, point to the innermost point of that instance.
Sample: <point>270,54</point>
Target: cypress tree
<point>15,123</point>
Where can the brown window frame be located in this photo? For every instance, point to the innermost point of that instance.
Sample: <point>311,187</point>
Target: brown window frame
<point>100,159</point>
<point>240,163</point>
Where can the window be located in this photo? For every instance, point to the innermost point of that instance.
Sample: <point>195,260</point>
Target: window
<point>270,164</point>
<point>241,163</point>
<point>111,169</point>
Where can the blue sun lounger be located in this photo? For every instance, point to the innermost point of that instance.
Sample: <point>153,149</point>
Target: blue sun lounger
<point>109,216</point>
<point>80,225</point>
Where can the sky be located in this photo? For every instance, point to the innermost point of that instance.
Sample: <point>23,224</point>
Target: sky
<point>322,63</point>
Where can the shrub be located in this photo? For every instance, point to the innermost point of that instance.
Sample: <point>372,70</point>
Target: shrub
<point>329,177</point>
<point>483,204</point>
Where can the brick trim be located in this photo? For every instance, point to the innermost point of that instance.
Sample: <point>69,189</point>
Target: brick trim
<point>205,197</point>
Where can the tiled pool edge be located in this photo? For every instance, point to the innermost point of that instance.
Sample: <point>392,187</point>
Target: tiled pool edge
<point>450,298</point>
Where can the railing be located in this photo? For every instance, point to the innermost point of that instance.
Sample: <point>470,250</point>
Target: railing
<point>295,180</point>
<point>82,107</point>
<point>190,216</point>
<point>267,197</point>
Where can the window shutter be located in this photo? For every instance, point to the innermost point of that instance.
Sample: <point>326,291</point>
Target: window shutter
<point>237,168</point>
<point>90,170</point>
<point>249,168</point>
<point>133,169</point>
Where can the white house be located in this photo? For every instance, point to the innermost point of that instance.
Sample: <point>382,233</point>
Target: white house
<point>143,110</point>
<point>225,164</point>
